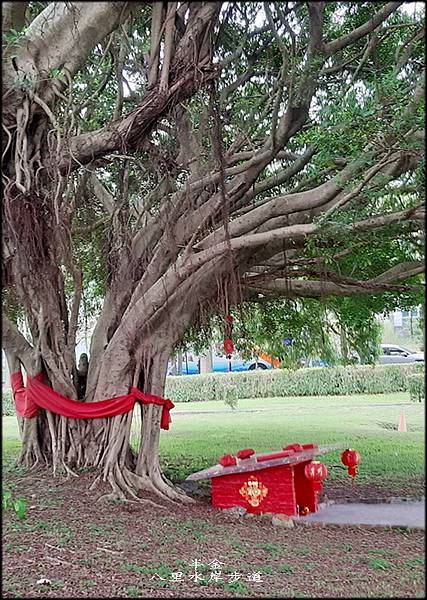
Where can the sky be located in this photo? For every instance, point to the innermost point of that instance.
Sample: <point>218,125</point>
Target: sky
<point>411,7</point>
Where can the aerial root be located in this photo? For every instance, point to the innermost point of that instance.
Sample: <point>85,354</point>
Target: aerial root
<point>141,482</point>
<point>123,489</point>
<point>95,483</point>
<point>170,490</point>
<point>35,465</point>
<point>30,459</point>
<point>134,482</point>
<point>68,470</point>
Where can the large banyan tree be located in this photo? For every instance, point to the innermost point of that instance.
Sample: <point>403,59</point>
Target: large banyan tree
<point>166,158</point>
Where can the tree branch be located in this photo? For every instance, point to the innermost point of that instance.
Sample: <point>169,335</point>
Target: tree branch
<point>13,16</point>
<point>156,26</point>
<point>102,194</point>
<point>318,289</point>
<point>400,272</point>
<point>315,11</point>
<point>61,37</point>
<point>297,231</point>
<point>350,38</point>
<point>187,73</point>
<point>168,48</point>
<point>14,343</point>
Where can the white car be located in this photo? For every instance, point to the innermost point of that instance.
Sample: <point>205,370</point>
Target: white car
<point>391,354</point>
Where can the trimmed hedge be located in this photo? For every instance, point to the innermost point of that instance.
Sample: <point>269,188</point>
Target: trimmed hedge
<point>322,381</point>
<point>416,387</point>
<point>7,405</point>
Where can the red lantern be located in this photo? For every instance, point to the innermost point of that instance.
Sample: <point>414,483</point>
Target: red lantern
<point>228,346</point>
<point>316,472</point>
<point>246,453</point>
<point>351,458</point>
<point>228,460</point>
<point>229,318</point>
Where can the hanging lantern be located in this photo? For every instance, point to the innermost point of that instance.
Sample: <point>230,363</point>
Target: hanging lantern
<point>351,458</point>
<point>316,472</point>
<point>228,342</point>
<point>228,346</point>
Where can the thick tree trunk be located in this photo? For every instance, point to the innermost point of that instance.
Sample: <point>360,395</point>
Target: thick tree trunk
<point>126,472</point>
<point>103,445</point>
<point>148,465</point>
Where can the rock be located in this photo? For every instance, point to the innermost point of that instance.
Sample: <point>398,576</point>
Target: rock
<point>235,511</point>
<point>188,486</point>
<point>282,521</point>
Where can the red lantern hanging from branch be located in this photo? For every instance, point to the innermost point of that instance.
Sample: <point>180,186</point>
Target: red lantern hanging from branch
<point>316,472</point>
<point>228,342</point>
<point>351,458</point>
<point>228,346</point>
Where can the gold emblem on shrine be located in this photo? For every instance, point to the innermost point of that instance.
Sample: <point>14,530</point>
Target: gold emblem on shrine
<point>253,491</point>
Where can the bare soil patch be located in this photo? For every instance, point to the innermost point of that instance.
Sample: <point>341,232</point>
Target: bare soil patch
<point>90,549</point>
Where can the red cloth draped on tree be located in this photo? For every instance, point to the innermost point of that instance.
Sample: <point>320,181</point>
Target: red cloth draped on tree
<point>38,395</point>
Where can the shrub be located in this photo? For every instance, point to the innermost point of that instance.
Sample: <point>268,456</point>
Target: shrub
<point>18,505</point>
<point>7,404</point>
<point>416,387</point>
<point>323,381</point>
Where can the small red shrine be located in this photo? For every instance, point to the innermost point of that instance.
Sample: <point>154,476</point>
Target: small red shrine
<point>286,482</point>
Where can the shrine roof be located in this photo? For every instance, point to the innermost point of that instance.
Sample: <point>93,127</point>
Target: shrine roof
<point>266,460</point>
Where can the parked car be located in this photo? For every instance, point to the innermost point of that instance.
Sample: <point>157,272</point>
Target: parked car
<point>315,362</point>
<point>221,364</point>
<point>392,354</point>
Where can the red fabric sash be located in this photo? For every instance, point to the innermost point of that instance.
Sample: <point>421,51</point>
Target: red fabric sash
<point>38,395</point>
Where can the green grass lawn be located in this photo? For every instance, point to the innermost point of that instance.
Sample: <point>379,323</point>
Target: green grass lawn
<point>206,430</point>
<point>366,423</point>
